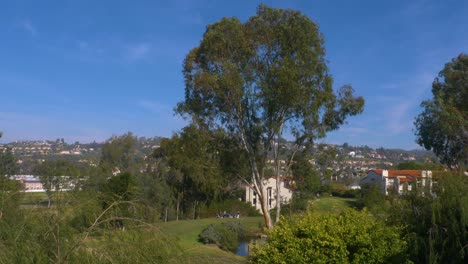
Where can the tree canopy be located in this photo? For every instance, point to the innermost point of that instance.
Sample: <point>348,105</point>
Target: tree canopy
<point>119,154</point>
<point>443,125</point>
<point>262,78</point>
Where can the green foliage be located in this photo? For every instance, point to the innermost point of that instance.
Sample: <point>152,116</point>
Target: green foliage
<point>201,167</point>
<point>436,226</point>
<point>51,175</point>
<point>442,125</point>
<point>120,196</point>
<point>337,189</point>
<point>119,154</point>
<point>8,164</point>
<point>194,153</point>
<point>76,234</point>
<point>8,187</point>
<point>86,210</point>
<point>305,176</point>
<point>254,82</point>
<point>226,235</point>
<point>413,165</point>
<point>121,187</point>
<point>350,237</point>
<point>148,245</point>
<point>372,198</point>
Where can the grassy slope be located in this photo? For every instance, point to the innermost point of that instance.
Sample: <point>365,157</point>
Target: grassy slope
<point>188,230</point>
<point>326,205</point>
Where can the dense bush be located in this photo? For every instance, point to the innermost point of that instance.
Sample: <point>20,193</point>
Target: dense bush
<point>436,226</point>
<point>372,198</point>
<point>351,237</point>
<point>226,235</point>
<point>337,189</point>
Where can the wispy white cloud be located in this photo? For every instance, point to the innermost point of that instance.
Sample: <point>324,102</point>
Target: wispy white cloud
<point>191,18</point>
<point>355,131</point>
<point>399,107</point>
<point>28,26</point>
<point>138,51</point>
<point>417,8</point>
<point>398,117</point>
<point>155,107</point>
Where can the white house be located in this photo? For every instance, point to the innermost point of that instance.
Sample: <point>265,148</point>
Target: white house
<point>270,187</point>
<point>401,181</point>
<point>32,183</point>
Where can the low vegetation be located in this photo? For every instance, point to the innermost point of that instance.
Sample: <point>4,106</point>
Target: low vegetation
<point>347,237</point>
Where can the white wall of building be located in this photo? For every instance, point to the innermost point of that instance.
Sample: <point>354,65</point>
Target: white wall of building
<point>270,189</point>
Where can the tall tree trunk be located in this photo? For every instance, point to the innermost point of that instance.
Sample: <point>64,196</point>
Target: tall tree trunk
<point>264,206</point>
<point>276,148</point>
<point>165,217</point>
<point>177,208</point>
<point>278,198</point>
<point>194,209</point>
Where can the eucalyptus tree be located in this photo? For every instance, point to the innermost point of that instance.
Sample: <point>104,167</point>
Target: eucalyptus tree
<point>262,79</point>
<point>443,125</point>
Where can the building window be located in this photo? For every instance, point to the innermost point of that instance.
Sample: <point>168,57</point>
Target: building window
<point>269,196</point>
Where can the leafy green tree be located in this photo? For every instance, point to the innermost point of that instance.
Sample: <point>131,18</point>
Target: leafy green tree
<point>120,154</point>
<point>9,189</point>
<point>260,79</point>
<point>413,165</point>
<point>121,194</point>
<point>443,125</point>
<point>55,175</point>
<point>306,180</point>
<point>350,237</point>
<point>8,167</point>
<point>202,165</point>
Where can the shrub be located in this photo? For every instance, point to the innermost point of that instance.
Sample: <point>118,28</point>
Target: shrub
<point>337,189</point>
<point>372,198</point>
<point>226,235</point>
<point>350,237</point>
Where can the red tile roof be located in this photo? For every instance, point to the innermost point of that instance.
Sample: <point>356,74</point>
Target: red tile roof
<point>412,173</point>
<point>405,180</point>
<point>395,173</point>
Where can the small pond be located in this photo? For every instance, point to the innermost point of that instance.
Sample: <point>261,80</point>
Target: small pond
<point>245,247</point>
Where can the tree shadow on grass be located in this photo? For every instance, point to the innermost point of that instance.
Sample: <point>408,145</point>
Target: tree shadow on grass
<point>354,204</point>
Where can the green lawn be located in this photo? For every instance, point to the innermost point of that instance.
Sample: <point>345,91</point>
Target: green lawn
<point>325,205</point>
<point>33,199</point>
<point>187,232</point>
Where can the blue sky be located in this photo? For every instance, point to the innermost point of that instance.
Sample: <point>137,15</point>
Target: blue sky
<point>87,70</point>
